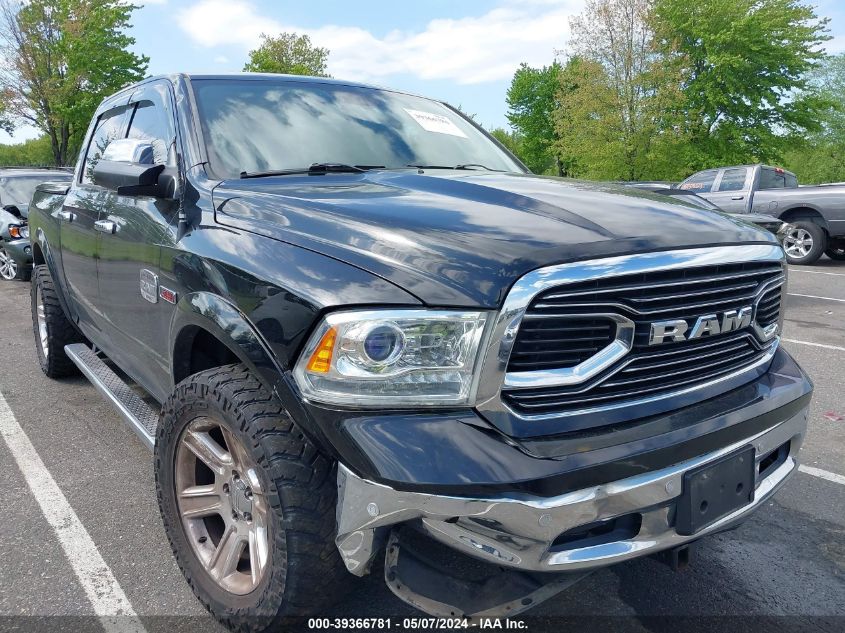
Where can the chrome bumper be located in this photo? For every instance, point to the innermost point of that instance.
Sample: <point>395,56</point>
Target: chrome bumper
<point>519,531</point>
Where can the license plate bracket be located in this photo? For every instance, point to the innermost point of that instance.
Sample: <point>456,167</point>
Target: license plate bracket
<point>713,491</point>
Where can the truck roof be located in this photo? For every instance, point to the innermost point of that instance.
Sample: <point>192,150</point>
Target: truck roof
<point>264,77</point>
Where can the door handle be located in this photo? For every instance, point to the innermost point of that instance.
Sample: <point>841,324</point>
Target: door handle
<point>67,216</point>
<point>737,197</point>
<point>105,226</point>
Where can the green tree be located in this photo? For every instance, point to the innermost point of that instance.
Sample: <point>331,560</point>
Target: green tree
<point>742,67</point>
<point>62,57</point>
<point>510,139</point>
<point>290,54</point>
<point>531,104</point>
<point>614,94</point>
<point>820,156</point>
<point>34,152</point>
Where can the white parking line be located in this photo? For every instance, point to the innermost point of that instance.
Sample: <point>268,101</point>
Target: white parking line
<point>792,340</point>
<point>814,272</point>
<point>100,585</point>
<point>795,294</point>
<point>822,474</point>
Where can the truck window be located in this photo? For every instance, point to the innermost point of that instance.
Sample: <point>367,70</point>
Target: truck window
<point>733,180</point>
<point>150,123</point>
<point>700,182</point>
<point>110,125</point>
<point>776,179</point>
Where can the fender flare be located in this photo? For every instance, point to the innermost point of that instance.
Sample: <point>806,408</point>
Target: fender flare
<point>50,261</point>
<point>221,319</point>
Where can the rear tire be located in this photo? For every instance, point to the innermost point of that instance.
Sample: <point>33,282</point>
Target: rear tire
<point>836,252</point>
<point>292,496</point>
<point>804,243</point>
<point>52,329</point>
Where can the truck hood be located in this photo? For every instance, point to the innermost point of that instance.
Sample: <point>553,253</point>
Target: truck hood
<point>462,238</point>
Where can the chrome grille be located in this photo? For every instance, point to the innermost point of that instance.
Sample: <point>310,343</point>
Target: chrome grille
<point>549,338</point>
<point>550,343</point>
<point>768,310</point>
<point>646,373</point>
<point>673,294</point>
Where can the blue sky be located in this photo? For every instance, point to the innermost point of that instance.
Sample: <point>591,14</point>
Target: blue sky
<point>463,52</point>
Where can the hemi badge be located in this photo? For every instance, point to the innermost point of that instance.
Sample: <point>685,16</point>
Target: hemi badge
<point>167,294</point>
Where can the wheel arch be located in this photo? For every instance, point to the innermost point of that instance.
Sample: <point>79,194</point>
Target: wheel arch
<point>208,331</point>
<point>42,255</point>
<point>805,212</point>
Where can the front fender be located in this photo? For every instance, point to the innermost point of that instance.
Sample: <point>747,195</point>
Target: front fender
<point>218,317</point>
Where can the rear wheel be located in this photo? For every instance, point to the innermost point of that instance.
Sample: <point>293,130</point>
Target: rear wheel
<point>804,242</point>
<point>837,252</point>
<point>248,503</point>
<point>52,329</point>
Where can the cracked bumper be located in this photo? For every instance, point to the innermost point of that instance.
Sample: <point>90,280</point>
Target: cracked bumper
<point>523,531</point>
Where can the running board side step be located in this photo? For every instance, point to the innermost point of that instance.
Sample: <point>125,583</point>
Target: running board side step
<point>137,413</point>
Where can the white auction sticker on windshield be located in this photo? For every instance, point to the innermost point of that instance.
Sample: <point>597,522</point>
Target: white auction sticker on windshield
<point>431,122</point>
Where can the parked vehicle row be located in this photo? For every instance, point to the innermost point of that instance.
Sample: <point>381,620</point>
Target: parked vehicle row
<point>816,213</point>
<point>16,189</point>
<point>367,334</point>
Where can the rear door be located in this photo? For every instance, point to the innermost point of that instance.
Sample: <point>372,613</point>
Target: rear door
<point>133,231</point>
<point>78,217</point>
<point>732,188</point>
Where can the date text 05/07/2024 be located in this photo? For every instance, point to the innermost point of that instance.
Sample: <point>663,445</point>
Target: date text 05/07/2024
<point>386,624</point>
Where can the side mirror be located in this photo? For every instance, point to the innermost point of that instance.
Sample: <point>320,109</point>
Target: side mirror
<point>127,166</point>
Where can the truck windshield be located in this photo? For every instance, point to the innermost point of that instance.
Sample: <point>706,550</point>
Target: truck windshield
<point>274,125</point>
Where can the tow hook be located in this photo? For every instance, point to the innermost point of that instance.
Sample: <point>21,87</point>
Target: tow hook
<point>676,558</point>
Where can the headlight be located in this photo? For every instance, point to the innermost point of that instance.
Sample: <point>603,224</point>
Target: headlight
<point>392,357</point>
<point>19,232</point>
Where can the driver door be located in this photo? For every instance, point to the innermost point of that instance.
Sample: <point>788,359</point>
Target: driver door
<point>132,230</point>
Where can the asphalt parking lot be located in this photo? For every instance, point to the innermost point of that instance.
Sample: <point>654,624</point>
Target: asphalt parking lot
<point>782,570</point>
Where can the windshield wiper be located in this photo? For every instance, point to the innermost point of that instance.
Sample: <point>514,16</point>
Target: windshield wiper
<point>461,166</point>
<point>316,169</point>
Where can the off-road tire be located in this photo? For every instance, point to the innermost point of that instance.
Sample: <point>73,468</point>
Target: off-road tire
<point>305,572</point>
<point>819,243</point>
<point>60,331</point>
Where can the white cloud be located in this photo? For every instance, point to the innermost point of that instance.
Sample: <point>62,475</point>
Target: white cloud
<point>467,50</point>
<point>221,59</point>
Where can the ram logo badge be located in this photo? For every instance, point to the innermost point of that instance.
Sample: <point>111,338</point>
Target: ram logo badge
<point>678,330</point>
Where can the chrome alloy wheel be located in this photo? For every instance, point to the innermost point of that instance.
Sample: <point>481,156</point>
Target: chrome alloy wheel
<point>798,242</point>
<point>8,266</point>
<point>41,320</point>
<point>222,506</point>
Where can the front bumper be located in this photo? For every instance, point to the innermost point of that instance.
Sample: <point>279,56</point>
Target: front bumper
<point>20,251</point>
<point>541,534</point>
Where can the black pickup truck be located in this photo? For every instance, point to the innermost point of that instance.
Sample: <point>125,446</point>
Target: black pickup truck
<point>357,333</point>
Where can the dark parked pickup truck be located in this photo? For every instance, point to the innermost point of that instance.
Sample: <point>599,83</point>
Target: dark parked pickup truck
<point>357,333</point>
